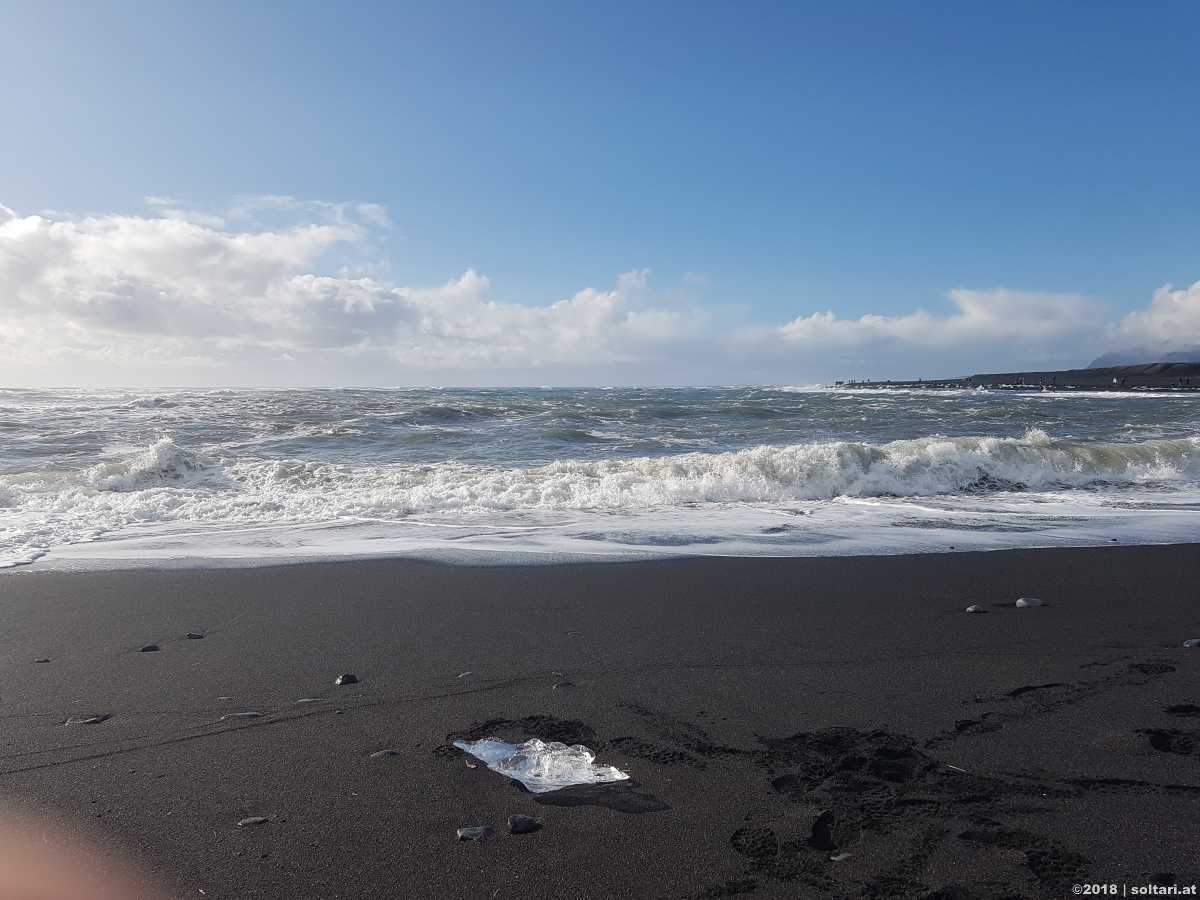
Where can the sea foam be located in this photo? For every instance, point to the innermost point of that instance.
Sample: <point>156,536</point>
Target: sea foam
<point>728,471</point>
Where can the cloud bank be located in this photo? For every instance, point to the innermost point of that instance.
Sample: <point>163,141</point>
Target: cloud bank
<point>186,297</point>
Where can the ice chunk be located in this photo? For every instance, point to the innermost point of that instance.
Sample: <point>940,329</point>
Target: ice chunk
<point>542,767</point>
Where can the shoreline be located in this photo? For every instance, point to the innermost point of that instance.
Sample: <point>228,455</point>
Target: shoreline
<point>1161,377</point>
<point>1153,528</point>
<point>773,713</point>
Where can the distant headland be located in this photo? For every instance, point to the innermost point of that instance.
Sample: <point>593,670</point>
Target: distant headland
<point>1160,376</point>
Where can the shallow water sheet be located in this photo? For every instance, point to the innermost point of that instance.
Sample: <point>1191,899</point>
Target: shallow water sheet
<point>542,766</point>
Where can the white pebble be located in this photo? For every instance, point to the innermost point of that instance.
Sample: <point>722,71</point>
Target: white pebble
<point>86,720</point>
<point>254,820</point>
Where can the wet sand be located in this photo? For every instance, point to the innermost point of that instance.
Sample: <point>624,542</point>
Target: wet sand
<point>772,715</point>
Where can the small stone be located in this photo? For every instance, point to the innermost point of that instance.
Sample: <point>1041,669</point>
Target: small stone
<point>469,764</point>
<point>464,674</point>
<point>523,824</point>
<point>841,857</point>
<point>309,700</point>
<point>86,720</point>
<point>253,820</point>
<point>976,609</point>
<point>150,648</point>
<point>384,754</point>
<point>1029,601</point>
<point>345,679</point>
<point>1194,642</point>
<point>195,636</point>
<point>477,833</point>
<point>242,715</point>
<point>44,659</point>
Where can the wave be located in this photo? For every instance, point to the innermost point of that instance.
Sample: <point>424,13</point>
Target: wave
<point>162,463</point>
<point>822,471</point>
<point>928,466</point>
<point>165,485</point>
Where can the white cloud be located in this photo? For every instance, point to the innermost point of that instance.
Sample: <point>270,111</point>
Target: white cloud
<point>373,213</point>
<point>983,317</point>
<point>137,291</point>
<point>1170,323</point>
<point>182,297</point>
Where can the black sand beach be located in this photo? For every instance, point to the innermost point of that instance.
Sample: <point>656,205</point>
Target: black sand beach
<point>773,714</point>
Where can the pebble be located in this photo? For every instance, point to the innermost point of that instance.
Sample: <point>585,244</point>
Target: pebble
<point>1028,601</point>
<point>150,648</point>
<point>242,715</point>
<point>464,674</point>
<point>86,720</point>
<point>1194,642</point>
<point>383,754</point>
<point>469,764</point>
<point>253,820</point>
<point>345,679</point>
<point>841,857</point>
<point>478,833</point>
<point>44,659</point>
<point>195,636</point>
<point>309,700</point>
<point>523,824</point>
<point>976,609</point>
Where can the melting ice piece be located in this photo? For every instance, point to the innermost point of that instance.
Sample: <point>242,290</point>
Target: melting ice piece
<point>542,767</point>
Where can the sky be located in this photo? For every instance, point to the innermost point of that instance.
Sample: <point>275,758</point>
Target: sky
<point>468,193</point>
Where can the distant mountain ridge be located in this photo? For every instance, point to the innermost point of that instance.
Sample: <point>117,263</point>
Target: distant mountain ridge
<point>1140,357</point>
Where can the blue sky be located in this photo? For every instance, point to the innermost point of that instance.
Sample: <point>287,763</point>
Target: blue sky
<point>695,183</point>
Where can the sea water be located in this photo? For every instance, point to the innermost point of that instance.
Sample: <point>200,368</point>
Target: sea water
<point>182,477</point>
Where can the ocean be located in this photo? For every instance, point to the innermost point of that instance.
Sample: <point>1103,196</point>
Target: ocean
<point>107,478</point>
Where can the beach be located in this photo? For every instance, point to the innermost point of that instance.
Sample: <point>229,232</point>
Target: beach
<point>773,715</point>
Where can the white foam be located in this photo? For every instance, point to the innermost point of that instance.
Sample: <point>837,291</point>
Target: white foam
<point>165,501</point>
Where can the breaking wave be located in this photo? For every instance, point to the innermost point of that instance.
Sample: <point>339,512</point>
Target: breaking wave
<point>161,464</point>
<point>701,468</point>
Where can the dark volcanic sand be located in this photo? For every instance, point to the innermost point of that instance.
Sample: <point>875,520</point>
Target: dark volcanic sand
<point>772,714</point>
